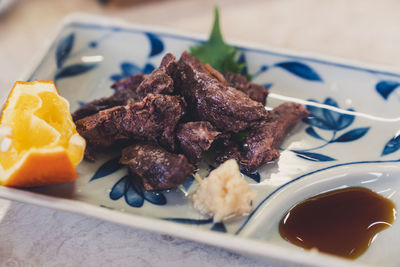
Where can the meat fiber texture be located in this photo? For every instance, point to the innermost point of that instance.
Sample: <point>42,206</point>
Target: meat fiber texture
<point>158,168</point>
<point>210,100</point>
<point>196,137</point>
<point>255,91</point>
<point>154,118</point>
<point>264,140</point>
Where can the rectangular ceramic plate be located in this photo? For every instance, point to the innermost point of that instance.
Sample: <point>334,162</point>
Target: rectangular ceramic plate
<point>351,138</point>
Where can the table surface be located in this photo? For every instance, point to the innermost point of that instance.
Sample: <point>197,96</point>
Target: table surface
<point>362,30</point>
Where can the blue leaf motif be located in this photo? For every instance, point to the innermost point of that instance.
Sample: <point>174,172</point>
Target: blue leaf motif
<point>345,120</point>
<point>316,122</point>
<point>310,130</point>
<point>155,197</point>
<point>136,183</point>
<point>268,85</point>
<point>190,221</point>
<point>64,49</point>
<point>331,117</point>
<point>116,77</point>
<point>93,44</point>
<point>331,102</point>
<point>312,156</point>
<point>253,175</point>
<point>129,69</point>
<point>148,68</point>
<point>132,197</point>
<point>352,135</point>
<point>242,60</point>
<point>385,88</point>
<point>73,70</point>
<point>219,227</point>
<point>391,146</point>
<point>327,119</point>
<point>118,190</point>
<point>316,117</point>
<point>300,69</point>
<point>157,45</point>
<point>315,110</point>
<point>107,168</point>
<point>264,68</point>
<point>188,182</point>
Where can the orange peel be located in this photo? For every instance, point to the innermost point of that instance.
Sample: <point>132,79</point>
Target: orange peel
<point>39,144</point>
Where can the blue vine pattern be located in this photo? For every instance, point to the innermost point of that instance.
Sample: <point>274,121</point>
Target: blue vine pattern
<point>63,52</point>
<point>296,68</point>
<point>328,120</point>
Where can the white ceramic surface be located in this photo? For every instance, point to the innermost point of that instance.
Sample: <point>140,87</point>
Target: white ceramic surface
<point>353,130</point>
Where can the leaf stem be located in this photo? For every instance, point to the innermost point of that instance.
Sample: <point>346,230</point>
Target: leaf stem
<point>323,145</point>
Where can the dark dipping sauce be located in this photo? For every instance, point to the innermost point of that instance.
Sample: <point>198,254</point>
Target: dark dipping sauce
<point>340,222</point>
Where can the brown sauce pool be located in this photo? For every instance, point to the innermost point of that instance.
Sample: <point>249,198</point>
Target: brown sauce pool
<point>340,222</point>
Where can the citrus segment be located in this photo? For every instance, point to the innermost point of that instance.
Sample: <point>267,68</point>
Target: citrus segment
<point>39,144</point>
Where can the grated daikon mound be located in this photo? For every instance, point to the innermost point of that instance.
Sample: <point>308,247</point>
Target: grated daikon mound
<point>224,193</point>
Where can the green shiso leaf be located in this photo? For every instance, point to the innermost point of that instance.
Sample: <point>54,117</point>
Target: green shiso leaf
<point>216,52</point>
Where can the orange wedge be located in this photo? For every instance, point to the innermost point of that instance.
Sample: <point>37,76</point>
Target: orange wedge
<point>39,144</point>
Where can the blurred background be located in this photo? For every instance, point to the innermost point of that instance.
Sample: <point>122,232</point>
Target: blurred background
<point>366,30</point>
<point>361,30</point>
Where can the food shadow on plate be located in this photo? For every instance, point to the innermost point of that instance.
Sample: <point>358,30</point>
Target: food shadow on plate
<point>67,190</point>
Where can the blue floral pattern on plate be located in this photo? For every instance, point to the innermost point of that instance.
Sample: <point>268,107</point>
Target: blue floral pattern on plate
<point>63,51</point>
<point>133,192</point>
<point>328,120</point>
<point>129,69</point>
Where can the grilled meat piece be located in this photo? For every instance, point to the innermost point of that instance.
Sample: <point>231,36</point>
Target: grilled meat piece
<point>263,141</point>
<point>159,81</point>
<point>196,137</point>
<point>158,168</point>
<point>125,92</point>
<point>129,84</point>
<point>154,118</point>
<point>133,89</point>
<point>255,91</point>
<point>210,100</point>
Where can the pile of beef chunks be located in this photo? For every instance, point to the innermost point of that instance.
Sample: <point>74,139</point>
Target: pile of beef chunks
<point>165,120</point>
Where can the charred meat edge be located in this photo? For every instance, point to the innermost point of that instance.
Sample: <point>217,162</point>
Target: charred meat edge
<point>154,118</point>
<point>263,141</point>
<point>209,100</point>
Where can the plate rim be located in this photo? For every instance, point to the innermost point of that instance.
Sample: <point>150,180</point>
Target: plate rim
<point>235,243</point>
